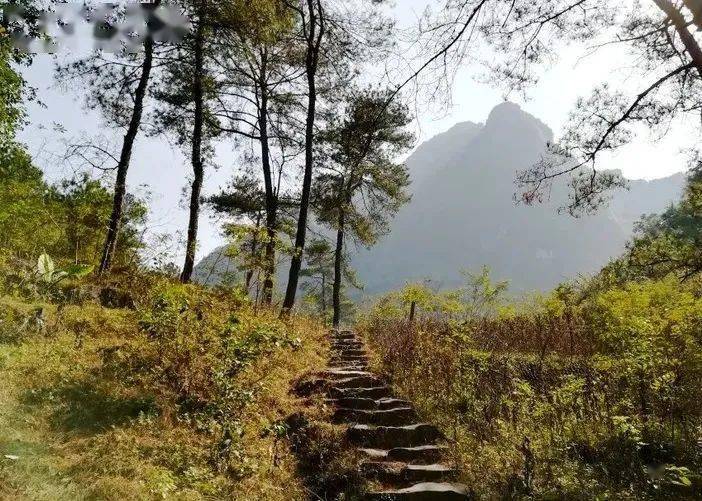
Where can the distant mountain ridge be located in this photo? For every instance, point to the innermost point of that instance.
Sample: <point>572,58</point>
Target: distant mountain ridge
<point>462,214</point>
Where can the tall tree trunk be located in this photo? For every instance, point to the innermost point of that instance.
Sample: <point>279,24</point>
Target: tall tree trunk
<point>338,257</point>
<point>198,169</point>
<point>125,157</point>
<point>254,249</point>
<point>271,196</point>
<point>314,39</point>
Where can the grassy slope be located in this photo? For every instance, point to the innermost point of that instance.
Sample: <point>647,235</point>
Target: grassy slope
<point>488,404</point>
<point>81,434</point>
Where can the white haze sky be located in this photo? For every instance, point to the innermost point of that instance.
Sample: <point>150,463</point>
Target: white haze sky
<point>162,170</point>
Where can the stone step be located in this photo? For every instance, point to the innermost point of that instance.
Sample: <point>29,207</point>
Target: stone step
<point>356,403</point>
<point>349,358</point>
<point>358,382</point>
<point>351,367</point>
<point>346,344</point>
<point>353,353</point>
<point>370,404</point>
<point>336,374</point>
<point>373,392</point>
<point>387,437</point>
<point>340,362</point>
<point>428,472</point>
<point>349,353</point>
<point>343,336</point>
<point>344,350</point>
<point>393,417</point>
<point>401,473</point>
<point>336,362</point>
<point>426,491</point>
<point>422,454</point>
<point>392,403</point>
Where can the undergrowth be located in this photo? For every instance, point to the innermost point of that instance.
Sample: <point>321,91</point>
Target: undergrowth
<point>176,395</point>
<point>594,398</point>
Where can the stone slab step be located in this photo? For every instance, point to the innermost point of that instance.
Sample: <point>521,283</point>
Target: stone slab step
<point>356,403</point>
<point>335,364</point>
<point>341,336</point>
<point>353,353</point>
<point>401,473</point>
<point>373,392</point>
<point>353,367</point>
<point>346,342</point>
<point>358,382</point>
<point>393,417</point>
<point>392,403</point>
<point>427,472</point>
<point>347,345</point>
<point>335,374</point>
<point>350,367</point>
<point>337,349</point>
<point>348,356</point>
<point>422,454</point>
<point>426,491</point>
<point>370,404</point>
<point>387,437</point>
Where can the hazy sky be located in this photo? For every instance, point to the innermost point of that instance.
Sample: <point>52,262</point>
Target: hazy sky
<point>161,169</point>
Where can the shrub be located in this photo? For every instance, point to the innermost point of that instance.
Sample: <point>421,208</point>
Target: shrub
<point>564,396</point>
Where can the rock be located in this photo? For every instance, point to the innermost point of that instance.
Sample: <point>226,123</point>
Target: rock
<point>385,437</point>
<point>371,392</point>
<point>419,454</point>
<point>357,403</point>
<point>111,297</point>
<point>393,417</point>
<point>336,374</point>
<point>425,454</point>
<point>392,403</point>
<point>427,472</point>
<point>427,491</point>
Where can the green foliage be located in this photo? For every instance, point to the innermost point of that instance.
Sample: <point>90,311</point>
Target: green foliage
<point>51,276</point>
<point>173,400</point>
<point>66,220</point>
<point>667,243</point>
<point>318,275</point>
<point>479,297</point>
<point>603,381</point>
<point>196,356</point>
<point>262,22</point>
<point>11,88</point>
<point>26,207</point>
<point>360,151</point>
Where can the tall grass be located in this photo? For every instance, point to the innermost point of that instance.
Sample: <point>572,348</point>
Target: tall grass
<point>173,397</point>
<point>596,400</point>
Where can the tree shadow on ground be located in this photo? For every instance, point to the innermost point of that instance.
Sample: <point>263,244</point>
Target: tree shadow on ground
<point>88,407</point>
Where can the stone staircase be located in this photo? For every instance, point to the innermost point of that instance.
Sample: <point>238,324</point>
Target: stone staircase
<point>401,454</point>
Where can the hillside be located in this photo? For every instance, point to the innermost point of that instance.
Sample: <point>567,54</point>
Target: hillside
<point>462,214</point>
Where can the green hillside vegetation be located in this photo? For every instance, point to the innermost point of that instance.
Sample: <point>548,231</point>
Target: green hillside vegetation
<point>178,397</point>
<point>589,392</point>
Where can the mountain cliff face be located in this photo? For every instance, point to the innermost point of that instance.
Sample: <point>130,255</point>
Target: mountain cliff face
<point>462,214</point>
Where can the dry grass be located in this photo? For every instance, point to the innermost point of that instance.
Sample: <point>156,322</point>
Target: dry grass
<point>528,422</point>
<point>81,432</point>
